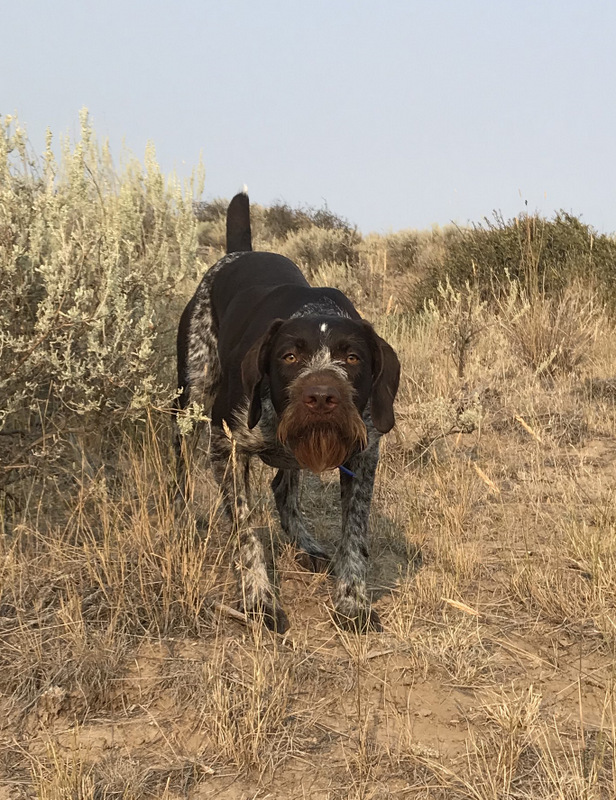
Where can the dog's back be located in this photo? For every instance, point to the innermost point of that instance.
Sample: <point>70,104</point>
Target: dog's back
<point>249,279</point>
<point>245,271</point>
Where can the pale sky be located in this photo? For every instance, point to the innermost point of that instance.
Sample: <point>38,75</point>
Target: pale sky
<point>395,114</point>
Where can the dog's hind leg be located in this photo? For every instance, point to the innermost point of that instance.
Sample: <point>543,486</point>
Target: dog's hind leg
<point>231,467</point>
<point>199,376</point>
<point>285,487</point>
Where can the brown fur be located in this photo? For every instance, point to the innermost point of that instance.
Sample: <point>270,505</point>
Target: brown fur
<point>321,441</point>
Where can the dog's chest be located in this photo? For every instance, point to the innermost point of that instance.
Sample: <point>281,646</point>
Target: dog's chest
<point>262,439</point>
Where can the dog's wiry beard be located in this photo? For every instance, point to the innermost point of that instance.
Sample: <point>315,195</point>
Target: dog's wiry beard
<point>320,443</point>
<point>321,448</point>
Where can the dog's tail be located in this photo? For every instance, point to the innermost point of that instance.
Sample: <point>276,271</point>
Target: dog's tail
<point>239,238</point>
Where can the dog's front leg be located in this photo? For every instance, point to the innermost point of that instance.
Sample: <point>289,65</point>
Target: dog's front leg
<point>285,487</point>
<point>351,599</point>
<point>231,467</point>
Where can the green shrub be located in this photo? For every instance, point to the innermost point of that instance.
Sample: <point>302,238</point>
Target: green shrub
<point>402,250</point>
<point>281,220</point>
<point>91,260</point>
<point>312,247</point>
<point>211,217</point>
<point>543,255</point>
<point>269,224</point>
<point>211,210</point>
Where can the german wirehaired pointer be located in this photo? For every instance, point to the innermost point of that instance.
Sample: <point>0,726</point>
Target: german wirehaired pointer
<point>292,374</point>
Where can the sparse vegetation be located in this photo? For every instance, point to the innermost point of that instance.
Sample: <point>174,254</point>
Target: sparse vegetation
<point>543,255</point>
<point>124,671</point>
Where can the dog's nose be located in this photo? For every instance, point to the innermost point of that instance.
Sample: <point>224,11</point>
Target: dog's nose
<point>321,398</point>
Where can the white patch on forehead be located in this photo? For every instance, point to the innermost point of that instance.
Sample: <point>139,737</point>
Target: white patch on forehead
<point>323,327</point>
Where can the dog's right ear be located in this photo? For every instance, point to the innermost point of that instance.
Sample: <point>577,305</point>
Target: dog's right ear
<point>385,380</point>
<point>254,367</point>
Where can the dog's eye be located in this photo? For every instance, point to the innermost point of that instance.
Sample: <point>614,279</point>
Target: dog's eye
<point>289,358</point>
<point>352,358</point>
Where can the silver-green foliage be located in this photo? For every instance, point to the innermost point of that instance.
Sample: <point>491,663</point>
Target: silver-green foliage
<point>91,258</point>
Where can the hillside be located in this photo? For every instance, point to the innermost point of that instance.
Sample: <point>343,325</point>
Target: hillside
<point>124,671</point>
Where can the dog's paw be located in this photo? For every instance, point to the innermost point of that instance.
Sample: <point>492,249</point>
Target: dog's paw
<point>361,620</point>
<point>270,614</point>
<point>313,562</point>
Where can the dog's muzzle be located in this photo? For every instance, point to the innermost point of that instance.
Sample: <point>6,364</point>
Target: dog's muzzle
<point>321,424</point>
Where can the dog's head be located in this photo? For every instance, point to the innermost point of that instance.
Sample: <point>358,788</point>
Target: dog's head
<point>322,371</point>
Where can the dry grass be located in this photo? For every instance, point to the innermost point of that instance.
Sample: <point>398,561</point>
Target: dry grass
<point>123,674</point>
<point>494,570</point>
<point>552,334</point>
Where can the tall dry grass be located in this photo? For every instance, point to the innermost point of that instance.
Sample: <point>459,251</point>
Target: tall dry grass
<point>125,670</point>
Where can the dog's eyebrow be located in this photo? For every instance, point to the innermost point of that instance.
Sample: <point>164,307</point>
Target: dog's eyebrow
<point>293,341</point>
<point>345,344</point>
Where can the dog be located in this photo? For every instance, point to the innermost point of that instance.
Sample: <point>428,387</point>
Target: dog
<point>294,375</point>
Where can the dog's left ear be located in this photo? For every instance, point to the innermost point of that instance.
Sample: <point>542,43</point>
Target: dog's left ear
<point>385,381</point>
<point>254,367</point>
